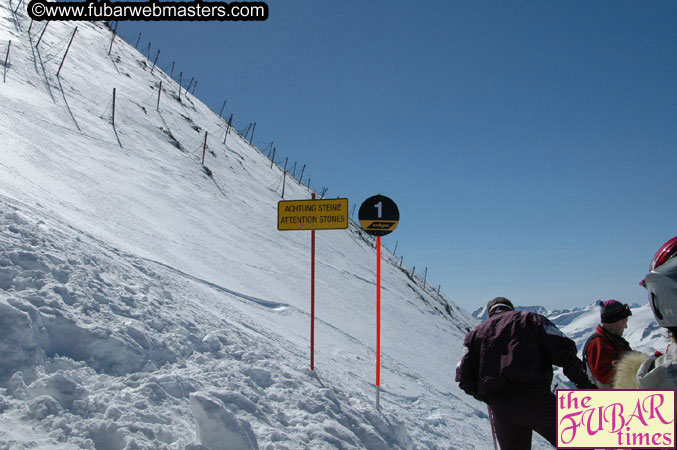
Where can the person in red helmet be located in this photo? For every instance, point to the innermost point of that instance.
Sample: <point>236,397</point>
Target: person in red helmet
<point>638,371</point>
<point>606,345</point>
<point>508,363</point>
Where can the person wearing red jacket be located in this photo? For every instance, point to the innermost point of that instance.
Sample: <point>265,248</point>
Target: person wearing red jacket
<point>508,363</point>
<point>606,346</point>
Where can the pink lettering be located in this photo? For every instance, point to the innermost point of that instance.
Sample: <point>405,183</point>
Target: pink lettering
<point>617,420</point>
<point>591,420</point>
<point>570,427</point>
<point>637,412</point>
<point>653,408</point>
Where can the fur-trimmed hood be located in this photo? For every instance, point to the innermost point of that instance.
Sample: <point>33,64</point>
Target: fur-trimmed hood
<point>638,371</point>
<point>626,371</point>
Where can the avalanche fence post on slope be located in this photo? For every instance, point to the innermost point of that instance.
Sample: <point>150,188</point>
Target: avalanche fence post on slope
<point>230,121</point>
<point>113,118</point>
<point>41,34</point>
<point>4,75</point>
<point>284,182</point>
<point>252,138</point>
<point>204,149</point>
<point>17,7</point>
<point>159,92</point>
<point>115,32</point>
<point>66,54</point>
<point>156,57</point>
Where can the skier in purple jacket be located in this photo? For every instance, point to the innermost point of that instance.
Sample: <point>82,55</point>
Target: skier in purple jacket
<point>508,363</point>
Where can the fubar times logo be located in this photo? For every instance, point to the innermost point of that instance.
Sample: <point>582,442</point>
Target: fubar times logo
<point>616,418</point>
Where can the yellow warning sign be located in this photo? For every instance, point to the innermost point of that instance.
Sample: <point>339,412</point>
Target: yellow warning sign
<point>312,214</point>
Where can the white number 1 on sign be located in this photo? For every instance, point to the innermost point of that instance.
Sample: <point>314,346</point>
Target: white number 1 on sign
<point>379,206</point>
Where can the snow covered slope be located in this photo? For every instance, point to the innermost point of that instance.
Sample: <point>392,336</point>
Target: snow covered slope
<point>145,304</point>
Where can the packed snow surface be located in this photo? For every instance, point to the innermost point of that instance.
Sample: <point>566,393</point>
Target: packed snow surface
<point>145,304</point>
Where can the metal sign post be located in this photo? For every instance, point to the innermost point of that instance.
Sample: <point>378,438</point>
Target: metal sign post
<point>312,215</point>
<point>378,216</point>
<point>378,323</point>
<point>312,298</point>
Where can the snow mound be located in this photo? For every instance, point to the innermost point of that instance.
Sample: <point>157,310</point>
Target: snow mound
<point>218,428</point>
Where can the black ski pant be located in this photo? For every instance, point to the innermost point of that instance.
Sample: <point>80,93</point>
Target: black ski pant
<point>520,413</point>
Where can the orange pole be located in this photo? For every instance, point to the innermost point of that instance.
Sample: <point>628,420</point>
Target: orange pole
<point>378,321</point>
<point>312,298</point>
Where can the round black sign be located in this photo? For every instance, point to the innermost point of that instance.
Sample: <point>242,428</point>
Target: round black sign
<point>378,215</point>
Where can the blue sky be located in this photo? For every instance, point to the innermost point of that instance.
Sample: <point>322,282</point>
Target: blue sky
<point>531,146</point>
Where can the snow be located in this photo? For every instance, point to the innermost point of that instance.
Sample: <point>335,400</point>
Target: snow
<point>218,428</point>
<point>106,351</point>
<point>147,305</point>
